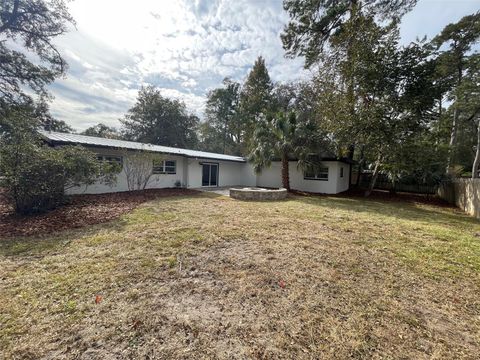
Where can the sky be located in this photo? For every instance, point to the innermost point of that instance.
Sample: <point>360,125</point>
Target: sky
<point>186,48</point>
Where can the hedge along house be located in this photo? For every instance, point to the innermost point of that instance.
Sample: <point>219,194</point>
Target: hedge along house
<point>198,169</point>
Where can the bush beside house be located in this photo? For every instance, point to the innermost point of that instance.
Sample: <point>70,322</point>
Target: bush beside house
<point>34,175</point>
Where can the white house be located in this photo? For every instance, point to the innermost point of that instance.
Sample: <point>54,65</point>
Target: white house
<point>197,169</point>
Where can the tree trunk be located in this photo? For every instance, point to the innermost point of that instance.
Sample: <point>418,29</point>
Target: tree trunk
<point>351,152</point>
<point>453,140</point>
<point>285,174</point>
<point>476,162</point>
<point>453,132</point>
<point>373,181</point>
<point>224,137</point>
<point>360,166</point>
<point>393,190</point>
<point>351,64</point>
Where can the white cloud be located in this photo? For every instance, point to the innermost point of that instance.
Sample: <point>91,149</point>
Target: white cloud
<point>183,47</point>
<point>190,83</point>
<point>429,17</point>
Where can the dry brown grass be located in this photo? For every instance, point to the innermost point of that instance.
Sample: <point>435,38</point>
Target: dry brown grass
<point>210,277</point>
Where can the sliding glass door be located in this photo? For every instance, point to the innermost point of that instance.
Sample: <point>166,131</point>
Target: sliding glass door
<point>209,174</point>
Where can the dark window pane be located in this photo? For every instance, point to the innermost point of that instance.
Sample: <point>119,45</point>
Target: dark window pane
<point>213,175</point>
<point>170,167</point>
<point>205,174</point>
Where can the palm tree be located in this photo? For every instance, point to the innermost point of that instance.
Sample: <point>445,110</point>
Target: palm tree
<point>281,137</point>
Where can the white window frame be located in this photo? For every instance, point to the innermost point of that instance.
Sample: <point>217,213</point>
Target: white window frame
<point>320,174</point>
<point>161,167</point>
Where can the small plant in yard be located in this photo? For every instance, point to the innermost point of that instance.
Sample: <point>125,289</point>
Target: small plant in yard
<point>172,261</point>
<point>138,167</point>
<point>70,306</point>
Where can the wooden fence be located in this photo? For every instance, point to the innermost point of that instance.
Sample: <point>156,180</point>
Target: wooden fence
<point>464,193</point>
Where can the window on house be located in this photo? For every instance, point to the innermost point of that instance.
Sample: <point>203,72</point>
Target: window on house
<point>113,159</point>
<point>341,171</point>
<point>164,167</point>
<point>317,174</point>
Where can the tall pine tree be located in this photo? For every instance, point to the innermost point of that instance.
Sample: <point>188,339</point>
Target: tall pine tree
<point>452,65</point>
<point>256,97</point>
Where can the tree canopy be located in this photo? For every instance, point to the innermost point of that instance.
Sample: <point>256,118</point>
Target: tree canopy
<point>32,25</point>
<point>452,64</point>
<point>255,97</point>
<point>281,137</point>
<point>103,131</point>
<point>223,129</point>
<point>156,119</point>
<point>379,101</point>
<point>317,24</point>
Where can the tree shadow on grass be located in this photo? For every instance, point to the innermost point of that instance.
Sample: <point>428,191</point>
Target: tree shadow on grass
<point>438,240</point>
<point>407,210</point>
<point>38,245</point>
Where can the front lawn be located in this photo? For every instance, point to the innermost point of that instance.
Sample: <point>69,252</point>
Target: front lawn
<point>205,276</point>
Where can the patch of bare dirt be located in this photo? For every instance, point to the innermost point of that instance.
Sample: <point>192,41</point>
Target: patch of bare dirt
<point>277,299</point>
<point>79,211</point>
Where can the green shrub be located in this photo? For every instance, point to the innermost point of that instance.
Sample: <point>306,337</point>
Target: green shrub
<point>36,175</point>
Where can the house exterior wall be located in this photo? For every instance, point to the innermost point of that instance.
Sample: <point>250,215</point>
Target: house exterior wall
<point>229,173</point>
<point>272,177</point>
<point>156,180</point>
<point>343,183</point>
<point>168,180</point>
<point>189,174</point>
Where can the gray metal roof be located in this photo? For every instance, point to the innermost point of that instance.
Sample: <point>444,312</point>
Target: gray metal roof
<point>65,138</point>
